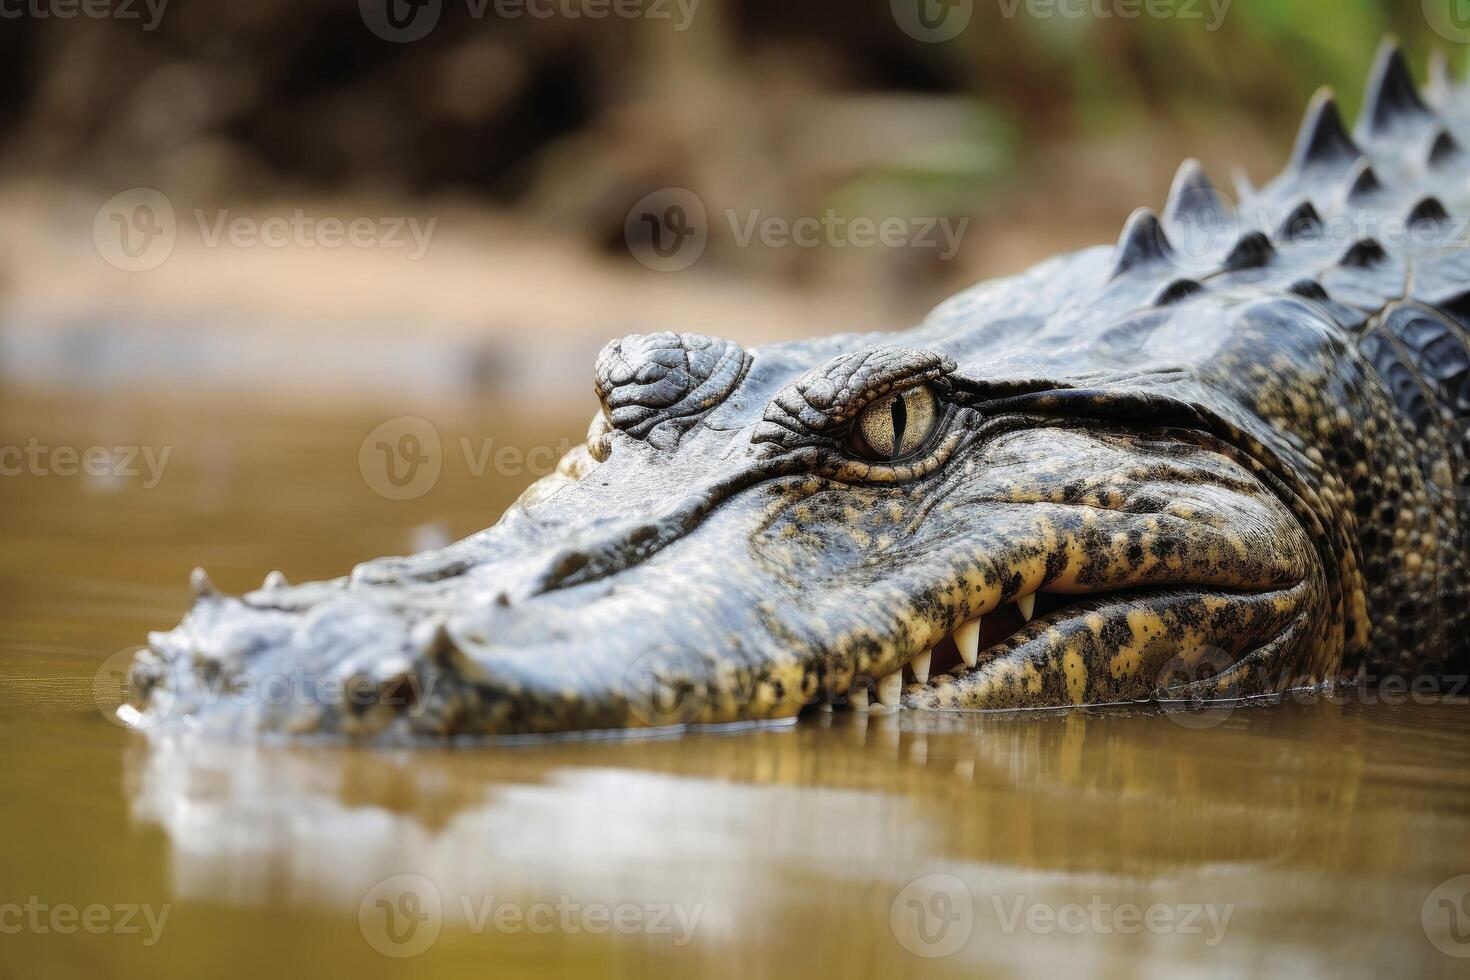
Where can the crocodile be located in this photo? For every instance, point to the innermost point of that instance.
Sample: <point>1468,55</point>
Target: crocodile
<point>1225,458</point>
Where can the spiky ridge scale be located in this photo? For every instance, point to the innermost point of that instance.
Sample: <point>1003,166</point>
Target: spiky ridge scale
<point>1370,228</point>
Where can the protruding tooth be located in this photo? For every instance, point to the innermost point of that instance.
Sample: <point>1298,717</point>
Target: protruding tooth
<point>430,636</point>
<point>967,638</point>
<point>200,583</point>
<point>920,664</point>
<point>1027,605</point>
<point>890,689</point>
<point>857,698</point>
<point>274,580</point>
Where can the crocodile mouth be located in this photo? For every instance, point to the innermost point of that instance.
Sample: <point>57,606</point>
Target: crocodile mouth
<point>1160,642</point>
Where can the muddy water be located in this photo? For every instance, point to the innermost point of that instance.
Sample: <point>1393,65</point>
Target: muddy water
<point>1296,839</point>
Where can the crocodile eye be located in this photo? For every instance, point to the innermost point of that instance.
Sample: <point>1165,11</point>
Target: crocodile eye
<point>898,426</point>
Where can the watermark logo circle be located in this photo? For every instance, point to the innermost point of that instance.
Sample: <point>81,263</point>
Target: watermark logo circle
<point>933,916</point>
<point>932,21</point>
<point>401,916</point>
<point>401,459</point>
<point>114,686</point>
<point>400,21</point>
<point>1446,917</point>
<point>1449,479</point>
<point>667,686</point>
<point>135,230</point>
<point>667,231</point>
<point>1203,225</point>
<point>1450,19</point>
<point>1178,688</point>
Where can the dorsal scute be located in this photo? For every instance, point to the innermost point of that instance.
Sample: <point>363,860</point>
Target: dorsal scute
<point>1362,181</point>
<point>1364,253</point>
<point>1440,83</point>
<point>1192,198</point>
<point>1392,98</point>
<point>1252,251</point>
<point>1308,289</point>
<point>1428,210</point>
<point>1443,150</point>
<point>1301,221</point>
<point>1143,242</point>
<point>1177,290</point>
<point>1323,140</point>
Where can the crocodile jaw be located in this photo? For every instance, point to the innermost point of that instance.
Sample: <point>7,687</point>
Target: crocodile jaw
<point>1151,557</point>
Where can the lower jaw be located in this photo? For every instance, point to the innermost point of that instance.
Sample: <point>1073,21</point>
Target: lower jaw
<point>1091,649</point>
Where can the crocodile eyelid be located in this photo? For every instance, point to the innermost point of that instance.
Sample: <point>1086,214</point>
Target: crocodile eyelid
<point>819,405</point>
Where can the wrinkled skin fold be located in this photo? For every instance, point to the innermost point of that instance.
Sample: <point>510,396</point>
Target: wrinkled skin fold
<point>1164,486</point>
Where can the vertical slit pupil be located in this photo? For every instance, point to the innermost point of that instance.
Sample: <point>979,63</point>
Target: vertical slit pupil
<point>900,412</point>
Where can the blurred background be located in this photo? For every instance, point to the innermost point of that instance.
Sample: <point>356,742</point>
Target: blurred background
<point>336,199</point>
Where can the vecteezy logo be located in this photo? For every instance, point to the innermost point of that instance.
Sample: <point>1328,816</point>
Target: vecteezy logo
<point>1183,689</point>
<point>112,690</point>
<point>667,686</point>
<point>1450,19</point>
<point>1203,221</point>
<point>933,916</point>
<point>400,21</point>
<point>1446,917</point>
<point>135,231</point>
<point>401,459</point>
<point>401,916</point>
<point>1452,476</point>
<point>932,21</point>
<point>667,230</point>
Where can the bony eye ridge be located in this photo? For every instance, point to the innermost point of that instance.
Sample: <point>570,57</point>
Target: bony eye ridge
<point>897,426</point>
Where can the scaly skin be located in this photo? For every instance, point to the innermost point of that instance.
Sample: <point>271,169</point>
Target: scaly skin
<point>1225,453</point>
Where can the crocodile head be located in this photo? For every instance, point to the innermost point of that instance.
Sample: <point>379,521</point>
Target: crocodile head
<point>908,519</point>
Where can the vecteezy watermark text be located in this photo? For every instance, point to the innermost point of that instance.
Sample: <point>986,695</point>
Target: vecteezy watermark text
<point>669,229</point>
<point>1101,917</point>
<point>90,9</point>
<point>101,462</point>
<point>301,230</point>
<point>833,230</point>
<point>137,229</point>
<point>1211,11</point>
<point>38,917</point>
<point>934,916</point>
<point>405,21</point>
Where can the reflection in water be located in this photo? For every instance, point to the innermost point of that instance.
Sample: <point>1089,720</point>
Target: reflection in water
<point>770,833</point>
<point>242,820</point>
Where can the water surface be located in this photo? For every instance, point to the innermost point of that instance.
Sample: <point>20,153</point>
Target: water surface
<point>1310,837</point>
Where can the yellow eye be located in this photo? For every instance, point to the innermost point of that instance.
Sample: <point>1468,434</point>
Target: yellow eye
<point>899,425</point>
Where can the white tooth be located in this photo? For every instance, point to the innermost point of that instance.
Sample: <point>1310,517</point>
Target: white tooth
<point>1027,605</point>
<point>274,580</point>
<point>967,638</point>
<point>890,689</point>
<point>920,664</point>
<point>857,698</point>
<point>202,586</point>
